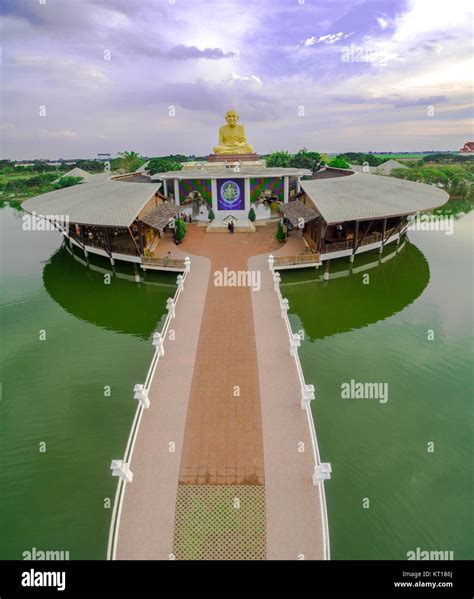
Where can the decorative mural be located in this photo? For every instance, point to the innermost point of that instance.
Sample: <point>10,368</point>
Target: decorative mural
<point>230,194</point>
<point>197,188</point>
<point>259,185</point>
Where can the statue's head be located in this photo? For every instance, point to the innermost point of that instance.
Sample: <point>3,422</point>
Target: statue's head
<point>231,118</point>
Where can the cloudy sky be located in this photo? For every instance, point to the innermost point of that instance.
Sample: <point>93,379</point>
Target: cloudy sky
<point>81,77</point>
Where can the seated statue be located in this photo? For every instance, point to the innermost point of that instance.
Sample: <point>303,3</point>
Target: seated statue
<point>232,139</point>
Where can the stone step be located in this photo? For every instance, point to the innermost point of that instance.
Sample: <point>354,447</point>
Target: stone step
<point>240,226</point>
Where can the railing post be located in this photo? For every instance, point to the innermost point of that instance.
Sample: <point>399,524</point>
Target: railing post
<point>170,306</point>
<point>321,473</point>
<point>180,283</point>
<point>276,280</point>
<point>187,264</point>
<point>121,469</point>
<point>141,394</point>
<point>271,261</point>
<point>295,342</point>
<point>158,342</point>
<point>284,306</point>
<point>307,394</point>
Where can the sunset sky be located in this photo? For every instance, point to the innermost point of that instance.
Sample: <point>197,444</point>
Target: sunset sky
<point>332,76</point>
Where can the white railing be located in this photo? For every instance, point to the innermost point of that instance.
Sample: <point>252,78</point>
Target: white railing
<point>322,470</point>
<point>121,468</point>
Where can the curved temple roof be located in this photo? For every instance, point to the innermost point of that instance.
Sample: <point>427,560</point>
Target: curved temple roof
<point>364,197</point>
<point>101,202</point>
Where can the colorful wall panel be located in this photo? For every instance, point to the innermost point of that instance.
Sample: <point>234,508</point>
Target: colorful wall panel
<point>259,185</point>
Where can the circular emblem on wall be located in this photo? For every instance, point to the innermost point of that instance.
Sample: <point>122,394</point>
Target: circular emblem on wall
<point>230,194</point>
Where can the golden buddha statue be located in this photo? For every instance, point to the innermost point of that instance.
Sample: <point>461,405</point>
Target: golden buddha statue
<point>232,138</point>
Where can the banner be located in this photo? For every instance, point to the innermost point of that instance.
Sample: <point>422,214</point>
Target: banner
<point>230,194</point>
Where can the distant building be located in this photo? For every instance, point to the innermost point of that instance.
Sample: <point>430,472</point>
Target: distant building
<point>384,169</point>
<point>468,148</point>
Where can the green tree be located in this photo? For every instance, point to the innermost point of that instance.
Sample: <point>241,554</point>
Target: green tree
<point>211,215</point>
<point>280,235</point>
<point>252,215</point>
<point>360,158</point>
<point>127,162</point>
<point>67,182</point>
<point>162,165</point>
<point>306,159</point>
<point>279,159</point>
<point>339,163</point>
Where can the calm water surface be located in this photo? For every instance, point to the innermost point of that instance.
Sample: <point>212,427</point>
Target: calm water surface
<point>378,332</point>
<point>97,335</point>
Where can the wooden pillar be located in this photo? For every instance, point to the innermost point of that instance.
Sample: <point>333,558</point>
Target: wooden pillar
<point>354,245</point>
<point>140,240</point>
<point>400,230</point>
<point>384,230</point>
<point>109,245</point>
<point>81,229</point>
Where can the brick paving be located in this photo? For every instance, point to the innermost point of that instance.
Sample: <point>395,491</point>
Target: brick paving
<point>226,442</point>
<point>223,436</point>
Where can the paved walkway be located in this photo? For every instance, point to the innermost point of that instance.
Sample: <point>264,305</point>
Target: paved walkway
<point>147,523</point>
<point>227,394</point>
<point>223,436</point>
<point>293,510</point>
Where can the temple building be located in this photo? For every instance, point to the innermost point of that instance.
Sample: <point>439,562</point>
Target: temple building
<point>332,213</point>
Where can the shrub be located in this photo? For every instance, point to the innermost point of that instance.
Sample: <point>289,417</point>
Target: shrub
<point>339,163</point>
<point>280,235</point>
<point>252,215</point>
<point>67,182</point>
<point>211,215</point>
<point>180,230</point>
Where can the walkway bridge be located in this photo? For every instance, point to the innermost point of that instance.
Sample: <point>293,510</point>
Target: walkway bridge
<point>222,461</point>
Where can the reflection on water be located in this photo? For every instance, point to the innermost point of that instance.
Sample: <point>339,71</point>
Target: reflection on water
<point>72,391</point>
<point>108,297</point>
<point>411,328</point>
<point>354,298</point>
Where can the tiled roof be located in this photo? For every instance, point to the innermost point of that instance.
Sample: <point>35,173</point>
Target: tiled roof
<point>101,202</point>
<point>363,197</point>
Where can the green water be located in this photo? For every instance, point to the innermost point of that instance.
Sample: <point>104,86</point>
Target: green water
<point>378,332</point>
<point>97,335</point>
